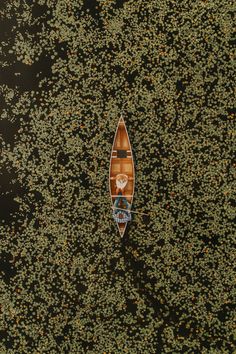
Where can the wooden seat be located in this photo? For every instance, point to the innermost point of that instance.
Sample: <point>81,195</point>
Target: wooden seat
<point>129,178</point>
<point>123,195</point>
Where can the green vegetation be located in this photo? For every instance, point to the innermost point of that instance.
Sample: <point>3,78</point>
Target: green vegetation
<point>69,283</point>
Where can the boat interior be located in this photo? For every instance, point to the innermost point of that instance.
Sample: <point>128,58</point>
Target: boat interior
<point>122,162</point>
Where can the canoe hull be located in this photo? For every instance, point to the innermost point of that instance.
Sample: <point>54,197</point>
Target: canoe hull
<point>122,163</point>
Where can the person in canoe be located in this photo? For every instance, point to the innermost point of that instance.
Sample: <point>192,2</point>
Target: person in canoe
<point>121,216</point>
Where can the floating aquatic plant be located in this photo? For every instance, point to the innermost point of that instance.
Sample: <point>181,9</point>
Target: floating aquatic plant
<point>69,283</point>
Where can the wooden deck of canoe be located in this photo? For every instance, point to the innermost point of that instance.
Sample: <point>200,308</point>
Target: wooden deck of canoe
<point>122,162</point>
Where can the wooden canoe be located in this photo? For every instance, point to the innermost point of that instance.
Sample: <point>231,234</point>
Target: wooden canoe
<point>122,163</point>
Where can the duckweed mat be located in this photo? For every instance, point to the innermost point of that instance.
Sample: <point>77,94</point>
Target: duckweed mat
<point>69,283</point>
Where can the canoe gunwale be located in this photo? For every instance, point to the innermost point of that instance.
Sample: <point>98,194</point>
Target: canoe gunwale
<point>132,178</point>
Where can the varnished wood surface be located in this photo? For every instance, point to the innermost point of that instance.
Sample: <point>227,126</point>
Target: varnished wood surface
<point>123,165</point>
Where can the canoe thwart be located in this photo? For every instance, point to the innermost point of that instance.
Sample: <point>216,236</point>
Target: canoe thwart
<point>129,178</point>
<point>122,195</point>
